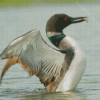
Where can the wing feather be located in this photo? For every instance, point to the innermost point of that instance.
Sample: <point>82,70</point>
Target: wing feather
<point>41,59</point>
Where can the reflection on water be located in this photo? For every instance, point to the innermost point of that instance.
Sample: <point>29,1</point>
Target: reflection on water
<point>41,95</point>
<point>37,94</point>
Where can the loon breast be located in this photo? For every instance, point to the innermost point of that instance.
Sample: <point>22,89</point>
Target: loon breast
<point>76,68</point>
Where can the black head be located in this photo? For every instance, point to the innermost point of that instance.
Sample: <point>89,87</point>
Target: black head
<point>59,21</point>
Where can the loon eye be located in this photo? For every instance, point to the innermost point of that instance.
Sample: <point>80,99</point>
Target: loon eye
<point>65,19</point>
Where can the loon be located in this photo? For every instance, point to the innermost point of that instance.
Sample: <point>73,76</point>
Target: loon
<point>59,68</point>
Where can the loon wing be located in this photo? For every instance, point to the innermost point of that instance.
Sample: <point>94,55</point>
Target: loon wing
<point>35,56</point>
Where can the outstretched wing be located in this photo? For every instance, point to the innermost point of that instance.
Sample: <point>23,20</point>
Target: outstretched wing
<point>35,55</point>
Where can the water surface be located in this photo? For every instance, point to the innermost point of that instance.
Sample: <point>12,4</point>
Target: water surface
<point>15,22</point>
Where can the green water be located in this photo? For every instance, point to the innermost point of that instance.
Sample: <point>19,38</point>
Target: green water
<point>17,3</point>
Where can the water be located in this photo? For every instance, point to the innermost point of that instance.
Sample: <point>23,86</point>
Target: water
<point>15,22</point>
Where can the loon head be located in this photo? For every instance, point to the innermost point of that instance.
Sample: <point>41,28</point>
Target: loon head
<point>56,24</point>
<point>59,21</point>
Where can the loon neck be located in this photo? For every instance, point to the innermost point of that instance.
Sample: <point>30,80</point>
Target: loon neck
<point>50,34</point>
<point>55,37</point>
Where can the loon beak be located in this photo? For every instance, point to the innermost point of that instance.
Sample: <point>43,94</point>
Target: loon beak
<point>79,19</point>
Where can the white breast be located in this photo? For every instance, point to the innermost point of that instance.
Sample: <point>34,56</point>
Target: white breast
<point>76,69</point>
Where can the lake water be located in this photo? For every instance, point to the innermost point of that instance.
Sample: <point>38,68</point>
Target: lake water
<point>15,22</point>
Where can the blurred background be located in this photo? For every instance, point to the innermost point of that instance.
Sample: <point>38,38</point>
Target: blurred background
<point>16,3</point>
<point>17,17</point>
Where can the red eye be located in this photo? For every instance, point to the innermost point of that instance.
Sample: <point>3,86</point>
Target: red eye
<point>65,19</point>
